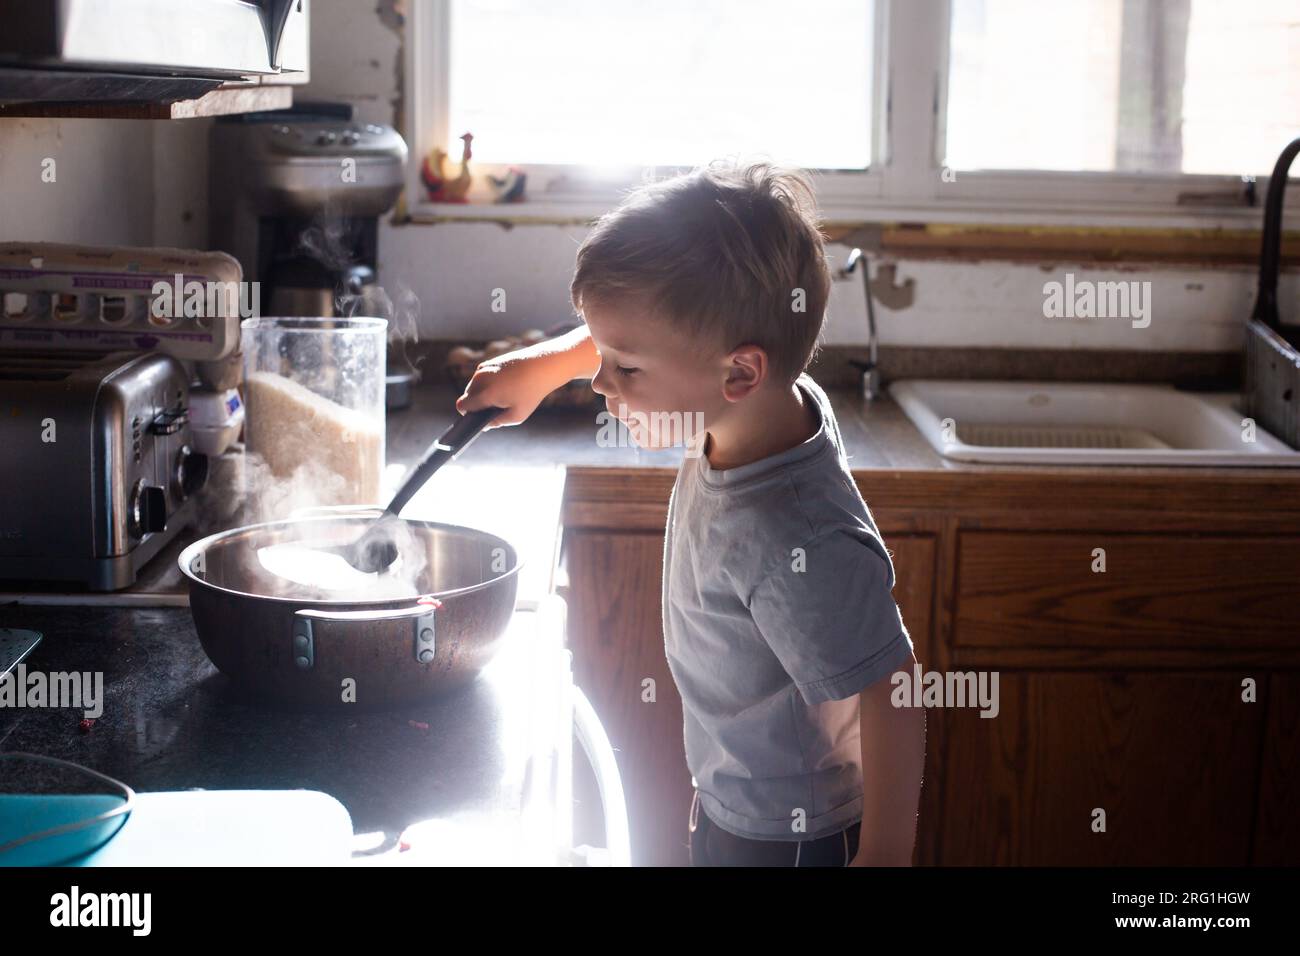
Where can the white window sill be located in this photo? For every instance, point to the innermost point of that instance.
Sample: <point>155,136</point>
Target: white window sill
<point>561,211</point>
<point>539,211</point>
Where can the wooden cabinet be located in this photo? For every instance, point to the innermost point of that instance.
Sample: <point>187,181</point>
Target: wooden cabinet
<point>914,557</point>
<point>1120,691</point>
<point>1110,588</point>
<point>613,557</point>
<point>1103,768</point>
<point>1277,823</point>
<point>616,636</point>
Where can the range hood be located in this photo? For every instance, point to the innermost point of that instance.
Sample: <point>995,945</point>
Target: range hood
<point>125,50</point>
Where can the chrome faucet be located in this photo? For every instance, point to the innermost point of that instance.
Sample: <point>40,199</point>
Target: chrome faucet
<point>870,369</point>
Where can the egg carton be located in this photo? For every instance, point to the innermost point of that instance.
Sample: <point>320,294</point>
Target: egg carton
<point>58,296</point>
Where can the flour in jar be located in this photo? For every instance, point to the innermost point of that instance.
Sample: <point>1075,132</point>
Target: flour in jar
<point>305,438</point>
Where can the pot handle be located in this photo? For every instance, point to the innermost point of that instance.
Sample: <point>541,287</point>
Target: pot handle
<point>420,614</point>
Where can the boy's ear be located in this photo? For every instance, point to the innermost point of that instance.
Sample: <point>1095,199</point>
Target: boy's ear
<point>747,369</point>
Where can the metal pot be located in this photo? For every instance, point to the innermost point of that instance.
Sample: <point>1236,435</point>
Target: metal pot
<point>425,632</point>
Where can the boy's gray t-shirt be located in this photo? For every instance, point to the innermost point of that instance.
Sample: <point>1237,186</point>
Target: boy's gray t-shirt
<point>778,611</point>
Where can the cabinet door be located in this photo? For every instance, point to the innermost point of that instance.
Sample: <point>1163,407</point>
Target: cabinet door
<point>616,636</point>
<point>1172,759</point>
<point>913,557</point>
<point>914,570</point>
<point>1277,832</point>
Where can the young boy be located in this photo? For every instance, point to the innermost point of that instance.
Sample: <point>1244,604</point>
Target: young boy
<point>703,297</point>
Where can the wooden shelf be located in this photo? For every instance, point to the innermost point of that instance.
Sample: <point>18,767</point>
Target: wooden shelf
<point>219,102</point>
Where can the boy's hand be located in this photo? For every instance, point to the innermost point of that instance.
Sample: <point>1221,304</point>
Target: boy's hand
<point>512,381</point>
<point>518,381</point>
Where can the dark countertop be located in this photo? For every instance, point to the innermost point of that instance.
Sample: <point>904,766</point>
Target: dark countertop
<point>552,436</point>
<point>172,722</point>
<point>878,436</point>
<point>880,442</point>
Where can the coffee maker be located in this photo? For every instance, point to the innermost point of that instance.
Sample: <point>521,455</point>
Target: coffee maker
<point>295,195</point>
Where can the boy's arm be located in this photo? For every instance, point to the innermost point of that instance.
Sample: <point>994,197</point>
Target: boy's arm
<point>574,354</point>
<point>893,762</point>
<point>518,381</point>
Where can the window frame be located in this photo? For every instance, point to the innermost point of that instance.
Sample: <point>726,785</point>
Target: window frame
<point>904,183</point>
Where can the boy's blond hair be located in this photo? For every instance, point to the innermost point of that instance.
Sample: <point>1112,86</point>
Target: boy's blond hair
<point>731,254</point>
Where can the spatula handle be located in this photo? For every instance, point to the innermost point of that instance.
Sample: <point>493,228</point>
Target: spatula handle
<point>444,448</point>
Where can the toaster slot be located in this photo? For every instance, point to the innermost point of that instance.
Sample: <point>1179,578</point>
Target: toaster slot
<point>28,375</point>
<point>19,366</point>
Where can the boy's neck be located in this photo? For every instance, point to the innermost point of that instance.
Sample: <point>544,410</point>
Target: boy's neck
<point>767,424</point>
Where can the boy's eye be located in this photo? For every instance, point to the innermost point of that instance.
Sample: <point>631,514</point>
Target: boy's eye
<point>624,370</point>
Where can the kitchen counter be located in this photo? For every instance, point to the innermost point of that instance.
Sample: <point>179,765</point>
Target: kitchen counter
<point>172,722</point>
<point>878,436</point>
<point>460,767</point>
<point>514,480</point>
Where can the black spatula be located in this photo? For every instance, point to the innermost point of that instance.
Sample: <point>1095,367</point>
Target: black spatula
<point>376,549</point>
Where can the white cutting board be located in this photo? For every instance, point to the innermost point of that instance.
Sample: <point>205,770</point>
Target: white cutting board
<point>230,828</point>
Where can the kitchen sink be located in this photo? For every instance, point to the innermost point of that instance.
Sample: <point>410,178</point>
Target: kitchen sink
<point>1067,423</point>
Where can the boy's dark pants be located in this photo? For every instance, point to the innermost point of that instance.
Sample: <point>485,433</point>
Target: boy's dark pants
<point>713,846</point>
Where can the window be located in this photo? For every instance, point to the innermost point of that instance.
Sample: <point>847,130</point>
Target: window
<point>595,82</point>
<point>1153,86</point>
<point>1117,112</point>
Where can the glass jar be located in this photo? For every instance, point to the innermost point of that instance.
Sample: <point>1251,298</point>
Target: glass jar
<point>314,398</point>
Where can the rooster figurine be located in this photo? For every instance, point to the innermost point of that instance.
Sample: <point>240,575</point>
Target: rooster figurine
<point>433,173</point>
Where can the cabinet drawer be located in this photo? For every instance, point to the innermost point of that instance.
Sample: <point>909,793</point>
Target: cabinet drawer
<point>1157,591</point>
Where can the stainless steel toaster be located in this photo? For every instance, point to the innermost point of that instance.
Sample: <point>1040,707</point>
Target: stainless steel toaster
<point>96,470</point>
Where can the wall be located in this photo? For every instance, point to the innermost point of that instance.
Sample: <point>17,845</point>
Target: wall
<point>180,180</point>
<point>103,181</point>
<point>116,182</point>
<point>453,267</point>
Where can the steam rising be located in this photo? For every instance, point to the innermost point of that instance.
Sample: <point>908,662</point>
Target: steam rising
<point>326,241</point>
<point>402,313</point>
<point>299,566</point>
<point>246,490</point>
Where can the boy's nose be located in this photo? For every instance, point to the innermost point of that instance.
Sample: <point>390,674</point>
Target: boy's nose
<point>600,385</point>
